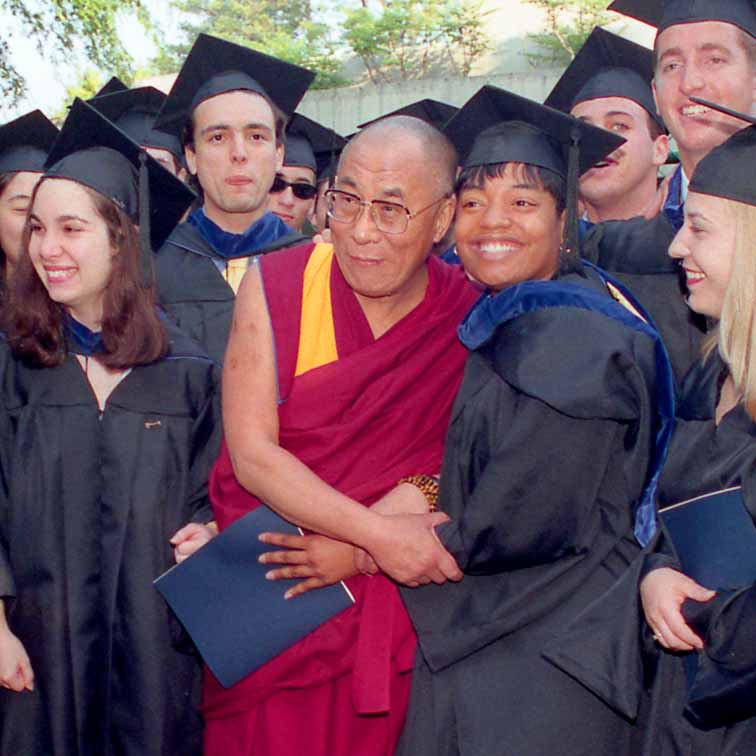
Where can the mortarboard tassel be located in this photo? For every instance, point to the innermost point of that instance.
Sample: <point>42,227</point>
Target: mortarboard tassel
<point>571,258</point>
<point>144,221</point>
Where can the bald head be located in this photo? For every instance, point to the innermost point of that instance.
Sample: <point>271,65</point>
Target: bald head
<point>425,143</point>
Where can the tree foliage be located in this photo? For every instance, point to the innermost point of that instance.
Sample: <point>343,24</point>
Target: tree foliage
<point>568,24</point>
<point>408,39</point>
<point>286,29</point>
<point>56,25</point>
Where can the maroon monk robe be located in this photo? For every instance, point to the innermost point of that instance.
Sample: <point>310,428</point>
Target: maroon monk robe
<point>377,414</point>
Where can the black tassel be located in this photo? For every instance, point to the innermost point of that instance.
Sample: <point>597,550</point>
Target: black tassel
<point>571,257</point>
<point>144,221</point>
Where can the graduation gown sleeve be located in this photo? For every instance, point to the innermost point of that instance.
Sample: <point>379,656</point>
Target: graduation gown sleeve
<point>724,688</point>
<point>532,502</point>
<point>7,584</point>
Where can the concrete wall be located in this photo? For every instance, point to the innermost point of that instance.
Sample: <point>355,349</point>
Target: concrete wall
<point>343,109</point>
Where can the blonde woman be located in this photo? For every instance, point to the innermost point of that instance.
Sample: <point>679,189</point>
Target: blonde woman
<point>705,703</point>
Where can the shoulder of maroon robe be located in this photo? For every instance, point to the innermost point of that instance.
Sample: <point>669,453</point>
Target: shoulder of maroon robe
<point>283,278</point>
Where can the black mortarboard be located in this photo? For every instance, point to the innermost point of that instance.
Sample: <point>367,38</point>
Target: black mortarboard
<point>25,142</point>
<point>727,171</point>
<point>215,66</point>
<point>134,111</point>
<point>495,126</point>
<point>93,151</point>
<point>434,112</point>
<point>114,84</point>
<point>665,13</point>
<point>607,65</point>
<point>306,140</point>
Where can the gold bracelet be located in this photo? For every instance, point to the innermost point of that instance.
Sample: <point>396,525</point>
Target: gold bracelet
<point>428,485</point>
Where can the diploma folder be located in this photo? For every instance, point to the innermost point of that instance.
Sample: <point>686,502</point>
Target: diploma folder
<point>237,619</point>
<point>715,539</point>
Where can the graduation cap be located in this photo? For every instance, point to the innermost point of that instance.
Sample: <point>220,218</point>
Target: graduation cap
<point>25,142</point>
<point>727,171</point>
<point>134,111</point>
<point>306,140</point>
<point>434,112</point>
<point>215,66</point>
<point>94,152</point>
<point>607,65</point>
<point>114,84</point>
<point>665,13</point>
<point>327,163</point>
<point>495,126</point>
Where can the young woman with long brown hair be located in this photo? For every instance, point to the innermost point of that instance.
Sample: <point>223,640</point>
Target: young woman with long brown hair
<point>109,427</point>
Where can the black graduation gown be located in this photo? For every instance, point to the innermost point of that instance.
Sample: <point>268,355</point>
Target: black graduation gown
<point>192,290</point>
<point>549,445</point>
<point>635,253</point>
<point>87,506</point>
<point>717,716</point>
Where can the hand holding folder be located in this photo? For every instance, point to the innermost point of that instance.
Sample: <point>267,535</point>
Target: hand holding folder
<point>237,618</point>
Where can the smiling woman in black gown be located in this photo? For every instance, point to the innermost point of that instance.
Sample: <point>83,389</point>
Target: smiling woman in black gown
<point>109,428</point>
<point>714,448</point>
<point>550,446</point>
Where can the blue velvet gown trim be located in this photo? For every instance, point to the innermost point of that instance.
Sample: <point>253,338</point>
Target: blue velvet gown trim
<point>80,339</point>
<point>261,233</point>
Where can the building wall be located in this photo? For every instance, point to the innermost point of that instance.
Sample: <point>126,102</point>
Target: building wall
<point>343,109</point>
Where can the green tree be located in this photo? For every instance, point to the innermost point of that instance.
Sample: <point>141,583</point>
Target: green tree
<point>568,24</point>
<point>407,39</point>
<point>56,25</point>
<point>286,29</point>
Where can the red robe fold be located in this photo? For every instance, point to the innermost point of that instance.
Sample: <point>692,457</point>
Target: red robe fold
<point>377,414</point>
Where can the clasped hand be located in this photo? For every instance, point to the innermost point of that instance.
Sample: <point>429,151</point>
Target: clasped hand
<point>663,592</point>
<point>316,559</point>
<point>15,668</point>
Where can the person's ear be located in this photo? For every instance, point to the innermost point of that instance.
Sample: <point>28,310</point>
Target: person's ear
<point>661,150</point>
<point>444,218</point>
<point>191,159</point>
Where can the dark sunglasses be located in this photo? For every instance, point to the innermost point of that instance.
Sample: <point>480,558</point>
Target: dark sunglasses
<point>300,189</point>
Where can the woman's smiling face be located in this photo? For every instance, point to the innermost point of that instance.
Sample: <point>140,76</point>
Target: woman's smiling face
<point>705,246</point>
<point>508,229</point>
<point>70,248</point>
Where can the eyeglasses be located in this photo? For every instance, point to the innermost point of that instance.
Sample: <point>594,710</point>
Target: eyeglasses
<point>300,189</point>
<point>389,217</point>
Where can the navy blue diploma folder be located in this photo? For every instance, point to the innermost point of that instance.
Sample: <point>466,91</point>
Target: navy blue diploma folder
<point>237,619</point>
<point>715,539</point>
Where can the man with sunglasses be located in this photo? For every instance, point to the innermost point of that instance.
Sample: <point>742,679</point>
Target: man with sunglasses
<point>292,196</point>
<point>339,379</point>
